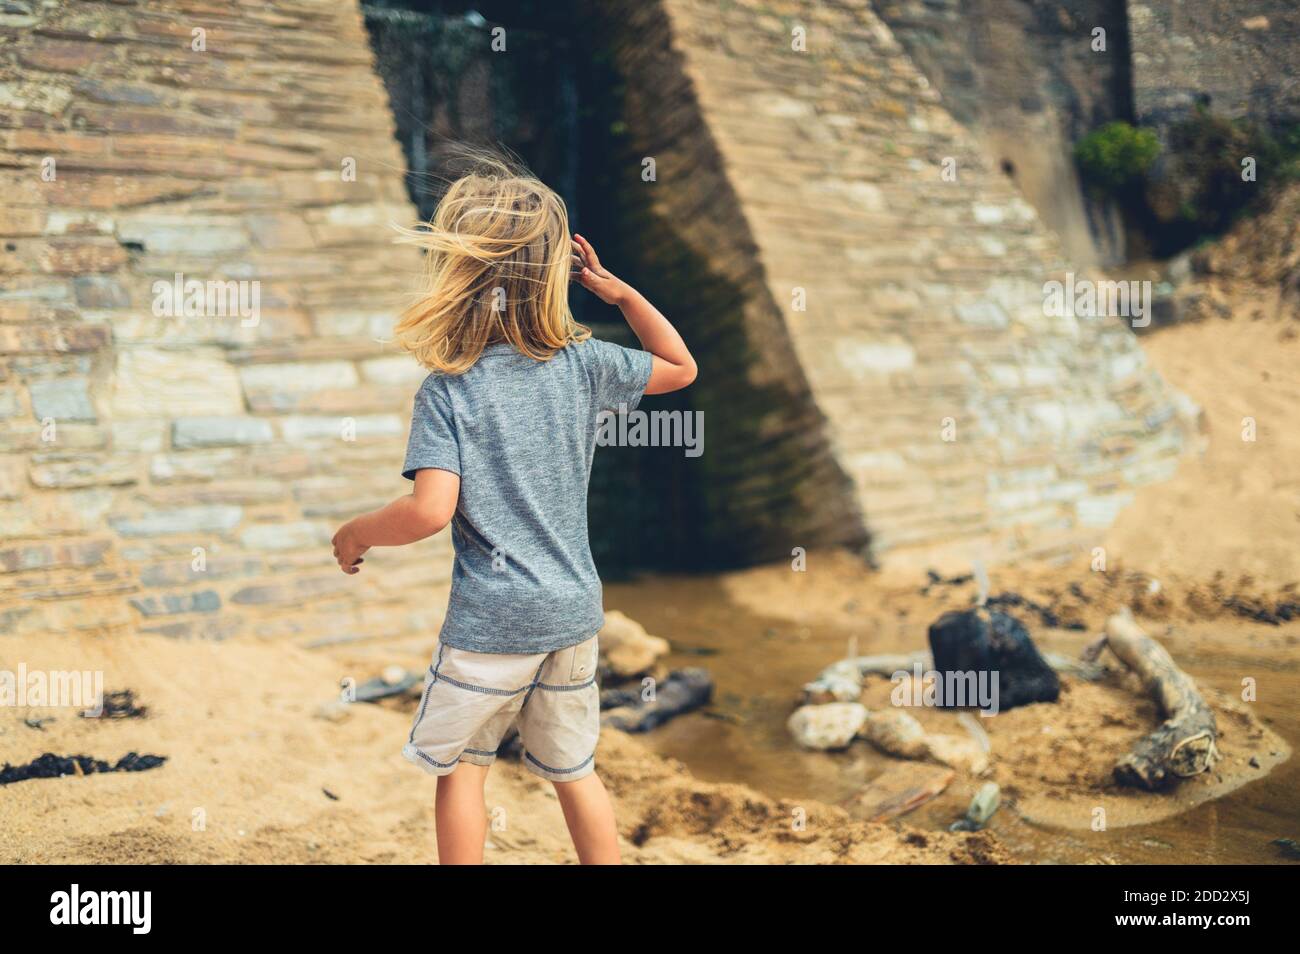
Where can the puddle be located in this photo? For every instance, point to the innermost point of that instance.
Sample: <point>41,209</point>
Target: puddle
<point>759,664</point>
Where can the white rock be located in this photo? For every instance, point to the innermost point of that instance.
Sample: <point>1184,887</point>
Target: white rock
<point>626,647</point>
<point>839,682</point>
<point>830,726</point>
<point>334,711</point>
<point>897,733</point>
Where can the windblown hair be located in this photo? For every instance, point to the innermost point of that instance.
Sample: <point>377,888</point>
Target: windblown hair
<point>497,270</point>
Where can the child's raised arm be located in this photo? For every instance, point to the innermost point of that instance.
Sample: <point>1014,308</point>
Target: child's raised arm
<point>674,368</point>
<point>419,514</point>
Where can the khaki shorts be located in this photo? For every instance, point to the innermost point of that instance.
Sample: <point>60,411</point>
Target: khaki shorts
<point>471,699</point>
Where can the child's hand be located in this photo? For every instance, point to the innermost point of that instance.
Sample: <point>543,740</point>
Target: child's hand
<point>591,275</point>
<point>347,551</point>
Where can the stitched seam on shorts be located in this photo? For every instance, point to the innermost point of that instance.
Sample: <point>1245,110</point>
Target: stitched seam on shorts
<point>535,684</point>
<point>432,761</point>
<point>489,690</point>
<point>549,688</point>
<point>514,692</point>
<point>536,679</point>
<point>425,701</point>
<point>555,771</point>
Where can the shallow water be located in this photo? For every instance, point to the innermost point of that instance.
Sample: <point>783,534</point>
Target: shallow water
<point>758,665</point>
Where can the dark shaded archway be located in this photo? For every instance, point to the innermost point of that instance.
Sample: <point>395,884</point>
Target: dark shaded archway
<point>552,98</point>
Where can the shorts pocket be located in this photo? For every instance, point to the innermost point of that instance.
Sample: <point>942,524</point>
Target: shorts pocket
<point>583,666</point>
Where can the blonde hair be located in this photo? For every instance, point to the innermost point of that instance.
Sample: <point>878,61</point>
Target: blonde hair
<point>497,270</point>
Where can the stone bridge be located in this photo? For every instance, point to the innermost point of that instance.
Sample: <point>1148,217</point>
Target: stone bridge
<point>877,365</point>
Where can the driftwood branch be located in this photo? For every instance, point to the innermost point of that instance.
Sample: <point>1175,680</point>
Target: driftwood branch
<point>1183,745</point>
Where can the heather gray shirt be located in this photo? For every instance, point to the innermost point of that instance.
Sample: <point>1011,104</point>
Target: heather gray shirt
<point>521,434</point>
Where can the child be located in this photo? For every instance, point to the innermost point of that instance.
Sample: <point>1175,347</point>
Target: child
<point>501,446</point>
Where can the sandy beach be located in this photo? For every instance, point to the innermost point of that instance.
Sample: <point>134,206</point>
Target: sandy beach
<point>253,776</point>
<point>254,773</point>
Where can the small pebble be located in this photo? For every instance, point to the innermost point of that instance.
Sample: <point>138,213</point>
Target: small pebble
<point>334,711</point>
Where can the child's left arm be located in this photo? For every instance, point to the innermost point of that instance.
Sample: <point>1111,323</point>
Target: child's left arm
<point>419,514</point>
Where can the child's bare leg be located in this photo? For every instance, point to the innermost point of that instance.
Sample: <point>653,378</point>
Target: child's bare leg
<point>461,815</point>
<point>590,818</point>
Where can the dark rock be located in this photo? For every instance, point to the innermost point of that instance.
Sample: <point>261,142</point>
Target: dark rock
<point>683,691</point>
<point>989,641</point>
<point>1290,848</point>
<point>378,688</point>
<point>512,745</point>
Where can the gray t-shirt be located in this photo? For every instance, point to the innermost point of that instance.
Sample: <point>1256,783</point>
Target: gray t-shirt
<point>521,434</point>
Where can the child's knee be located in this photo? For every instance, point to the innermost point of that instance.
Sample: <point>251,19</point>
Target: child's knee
<point>574,786</point>
<point>466,773</point>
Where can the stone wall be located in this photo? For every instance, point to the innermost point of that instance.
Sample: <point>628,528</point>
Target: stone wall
<point>1025,78</point>
<point>1239,56</point>
<point>183,475</point>
<point>924,296</point>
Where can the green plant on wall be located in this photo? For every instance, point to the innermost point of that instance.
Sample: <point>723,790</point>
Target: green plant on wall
<point>1206,173</point>
<point>1195,184</point>
<point>1116,156</point>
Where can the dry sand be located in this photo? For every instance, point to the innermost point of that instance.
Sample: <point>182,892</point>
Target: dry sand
<point>249,768</point>
<point>1236,509</point>
<point>248,757</point>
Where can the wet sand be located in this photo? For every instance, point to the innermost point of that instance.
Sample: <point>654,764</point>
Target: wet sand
<point>1190,556</point>
<point>254,776</point>
<point>1051,784</point>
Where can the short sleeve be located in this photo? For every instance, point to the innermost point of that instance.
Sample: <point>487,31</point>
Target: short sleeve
<point>433,442</point>
<point>621,375</point>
